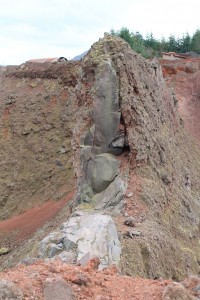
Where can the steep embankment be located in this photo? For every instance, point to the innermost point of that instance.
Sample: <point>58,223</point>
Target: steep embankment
<point>35,135</point>
<point>131,156</point>
<point>161,170</point>
<point>183,78</point>
<point>36,124</point>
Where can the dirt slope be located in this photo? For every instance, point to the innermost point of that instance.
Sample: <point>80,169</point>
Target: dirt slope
<point>35,136</point>
<point>183,78</point>
<point>49,280</point>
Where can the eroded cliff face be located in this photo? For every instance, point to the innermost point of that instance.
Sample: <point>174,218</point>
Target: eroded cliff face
<point>183,78</point>
<point>159,163</point>
<point>113,115</point>
<point>36,113</point>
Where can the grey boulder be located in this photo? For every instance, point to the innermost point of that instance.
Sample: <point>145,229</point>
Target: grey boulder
<point>58,289</point>
<point>96,236</point>
<point>101,171</point>
<point>9,291</point>
<point>112,196</point>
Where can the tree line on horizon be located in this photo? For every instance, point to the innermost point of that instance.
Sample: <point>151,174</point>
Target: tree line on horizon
<point>150,47</point>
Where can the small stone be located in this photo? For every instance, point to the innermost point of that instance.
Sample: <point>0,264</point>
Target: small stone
<point>93,264</point>
<point>129,195</point>
<point>165,178</point>
<point>68,244</point>
<point>126,214</point>
<point>67,257</point>
<point>8,290</point>
<point>4,250</point>
<point>57,288</point>
<point>197,288</point>
<point>49,242</point>
<point>58,163</point>
<point>64,150</point>
<point>10,99</point>
<point>53,249</point>
<point>81,279</point>
<point>130,221</point>
<point>132,233</point>
<point>84,260</point>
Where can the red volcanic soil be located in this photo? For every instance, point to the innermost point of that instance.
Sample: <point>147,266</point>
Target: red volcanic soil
<point>86,282</point>
<point>89,283</point>
<point>22,226</point>
<point>183,77</point>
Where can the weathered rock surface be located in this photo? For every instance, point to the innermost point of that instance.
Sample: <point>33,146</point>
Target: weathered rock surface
<point>49,245</point>
<point>101,171</point>
<point>160,159</point>
<point>9,291</point>
<point>106,115</point>
<point>57,288</point>
<point>111,198</point>
<point>86,235</point>
<point>103,137</point>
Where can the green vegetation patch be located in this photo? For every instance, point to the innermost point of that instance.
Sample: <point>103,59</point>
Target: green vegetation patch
<point>4,250</point>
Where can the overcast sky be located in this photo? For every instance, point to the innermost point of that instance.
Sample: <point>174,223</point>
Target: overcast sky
<point>52,28</point>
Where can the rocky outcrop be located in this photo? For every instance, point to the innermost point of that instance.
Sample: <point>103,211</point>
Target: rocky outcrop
<point>106,136</point>
<point>100,171</point>
<point>106,115</point>
<point>131,156</point>
<point>158,165</point>
<point>111,198</point>
<point>83,237</point>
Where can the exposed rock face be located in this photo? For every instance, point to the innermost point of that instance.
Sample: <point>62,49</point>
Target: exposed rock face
<point>165,209</point>
<point>101,171</point>
<point>111,198</point>
<point>87,236</point>
<point>105,131</point>
<point>106,107</point>
<point>103,137</point>
<point>125,133</point>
